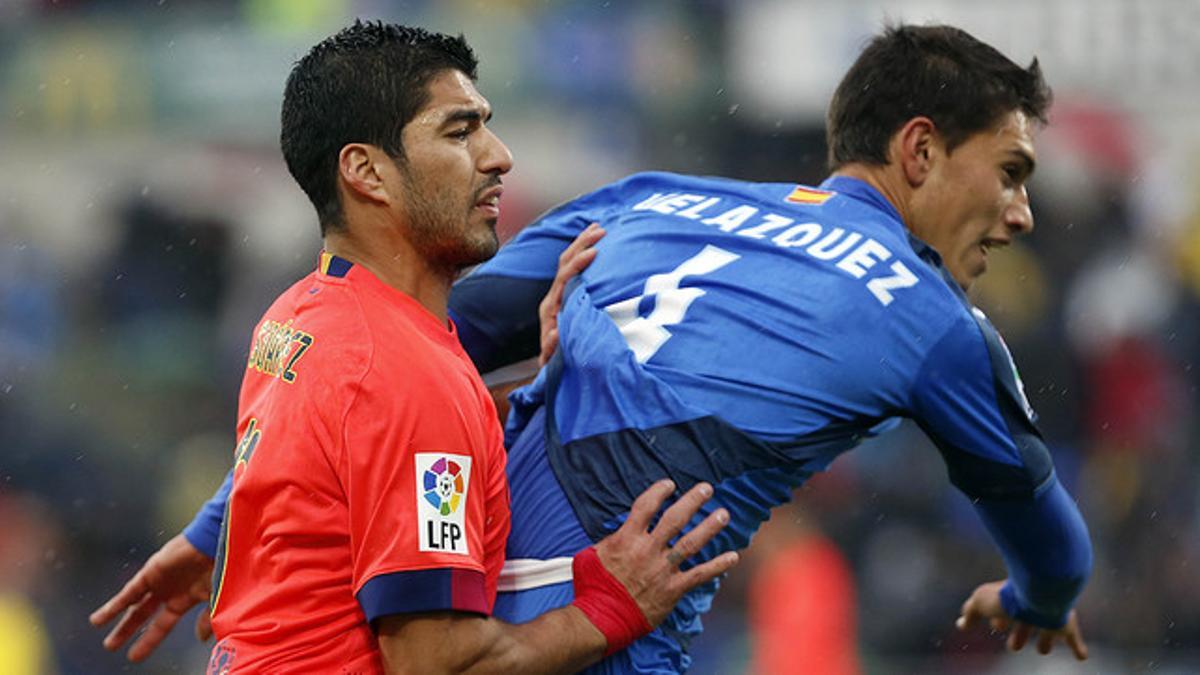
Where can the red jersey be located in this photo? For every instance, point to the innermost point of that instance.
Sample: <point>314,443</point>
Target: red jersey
<point>369,479</point>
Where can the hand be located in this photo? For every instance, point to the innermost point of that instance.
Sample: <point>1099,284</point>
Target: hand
<point>644,562</point>
<point>572,261</point>
<point>172,581</point>
<point>984,603</point>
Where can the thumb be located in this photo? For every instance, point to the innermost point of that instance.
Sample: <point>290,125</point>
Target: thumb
<point>203,625</point>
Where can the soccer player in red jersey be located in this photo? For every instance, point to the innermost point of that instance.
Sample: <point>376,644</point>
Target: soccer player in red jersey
<point>366,526</point>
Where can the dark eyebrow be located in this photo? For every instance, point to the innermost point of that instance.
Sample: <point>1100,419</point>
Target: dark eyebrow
<point>467,115</point>
<point>1027,160</point>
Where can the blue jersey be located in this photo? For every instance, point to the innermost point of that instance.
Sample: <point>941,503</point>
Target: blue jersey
<point>745,334</point>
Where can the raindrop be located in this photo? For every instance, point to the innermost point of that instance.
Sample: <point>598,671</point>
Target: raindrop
<point>734,108</point>
<point>145,190</point>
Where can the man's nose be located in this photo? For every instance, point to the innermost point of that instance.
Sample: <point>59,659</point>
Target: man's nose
<point>496,157</point>
<point>1018,217</point>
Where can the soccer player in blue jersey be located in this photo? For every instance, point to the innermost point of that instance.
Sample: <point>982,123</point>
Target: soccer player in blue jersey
<point>745,334</point>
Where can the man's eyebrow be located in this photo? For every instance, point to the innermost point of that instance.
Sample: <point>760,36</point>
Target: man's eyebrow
<point>1026,159</point>
<point>467,115</point>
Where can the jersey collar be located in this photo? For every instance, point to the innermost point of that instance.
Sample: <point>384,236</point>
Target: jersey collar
<point>333,266</point>
<point>865,192</point>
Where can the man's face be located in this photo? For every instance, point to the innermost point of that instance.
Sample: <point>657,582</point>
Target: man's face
<point>450,175</point>
<point>974,199</point>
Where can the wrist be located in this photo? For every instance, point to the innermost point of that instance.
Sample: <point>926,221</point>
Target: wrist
<point>1021,611</point>
<point>606,602</point>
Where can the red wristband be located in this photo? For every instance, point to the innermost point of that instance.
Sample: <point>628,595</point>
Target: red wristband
<point>606,602</point>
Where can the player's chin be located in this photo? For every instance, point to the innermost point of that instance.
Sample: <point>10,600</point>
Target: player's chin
<point>482,245</point>
<point>968,271</point>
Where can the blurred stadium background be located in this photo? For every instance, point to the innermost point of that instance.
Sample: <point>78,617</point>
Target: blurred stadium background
<point>146,219</point>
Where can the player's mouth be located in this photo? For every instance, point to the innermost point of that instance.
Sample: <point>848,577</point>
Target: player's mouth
<point>489,202</point>
<point>990,243</point>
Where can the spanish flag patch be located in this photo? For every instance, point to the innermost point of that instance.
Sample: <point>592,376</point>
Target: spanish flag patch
<point>810,196</point>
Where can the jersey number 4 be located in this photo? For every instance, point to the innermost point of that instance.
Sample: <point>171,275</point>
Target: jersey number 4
<point>645,335</point>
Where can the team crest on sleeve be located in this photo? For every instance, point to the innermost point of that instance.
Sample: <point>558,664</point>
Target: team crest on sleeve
<point>442,483</point>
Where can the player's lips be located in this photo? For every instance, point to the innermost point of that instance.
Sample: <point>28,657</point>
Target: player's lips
<point>489,201</point>
<point>990,243</point>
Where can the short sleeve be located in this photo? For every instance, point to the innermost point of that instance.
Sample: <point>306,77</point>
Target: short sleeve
<point>414,472</point>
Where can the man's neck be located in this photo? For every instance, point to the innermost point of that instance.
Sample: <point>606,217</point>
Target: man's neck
<point>394,261</point>
<point>887,180</point>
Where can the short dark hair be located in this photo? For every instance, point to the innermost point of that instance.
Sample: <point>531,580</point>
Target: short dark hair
<point>941,72</point>
<point>362,85</point>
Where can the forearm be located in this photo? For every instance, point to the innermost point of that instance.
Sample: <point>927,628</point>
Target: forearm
<point>1045,546</point>
<point>561,641</point>
<point>205,528</point>
<point>497,318</point>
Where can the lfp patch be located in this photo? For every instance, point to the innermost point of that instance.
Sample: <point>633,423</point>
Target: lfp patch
<point>442,483</point>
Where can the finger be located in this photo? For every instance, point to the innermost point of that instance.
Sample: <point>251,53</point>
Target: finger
<point>590,235</point>
<point>566,271</point>
<point>1019,636</point>
<point>1075,642</point>
<point>549,346</point>
<point>131,622</point>
<point>158,629</point>
<point>578,255</point>
<point>681,512</point>
<point>707,571</point>
<point>133,591</point>
<point>1000,624</point>
<point>1045,641</point>
<point>968,614</point>
<point>203,625</point>
<point>647,503</point>
<point>577,263</point>
<point>691,543</point>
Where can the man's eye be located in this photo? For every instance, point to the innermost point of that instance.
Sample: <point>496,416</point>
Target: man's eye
<point>1012,173</point>
<point>461,134</point>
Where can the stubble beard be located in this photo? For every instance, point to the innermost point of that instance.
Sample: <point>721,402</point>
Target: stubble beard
<point>446,237</point>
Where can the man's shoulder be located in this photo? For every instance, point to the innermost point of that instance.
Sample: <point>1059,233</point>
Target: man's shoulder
<point>315,328</point>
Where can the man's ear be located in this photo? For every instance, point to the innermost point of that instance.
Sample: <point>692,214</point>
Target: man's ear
<point>360,173</point>
<point>915,146</point>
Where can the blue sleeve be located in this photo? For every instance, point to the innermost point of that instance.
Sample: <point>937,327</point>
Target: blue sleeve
<point>1046,549</point>
<point>968,399</point>
<point>205,528</point>
<point>495,307</point>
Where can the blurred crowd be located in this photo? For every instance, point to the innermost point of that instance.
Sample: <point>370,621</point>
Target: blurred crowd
<point>146,220</point>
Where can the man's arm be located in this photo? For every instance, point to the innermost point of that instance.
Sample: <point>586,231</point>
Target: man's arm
<point>630,583</point>
<point>496,307</point>
<point>172,581</point>
<point>175,579</point>
<point>205,528</point>
<point>969,400</point>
